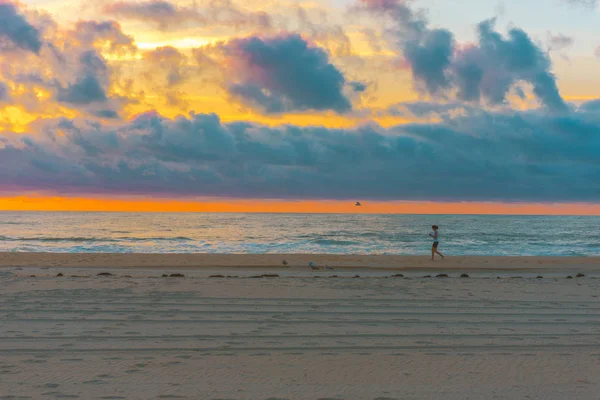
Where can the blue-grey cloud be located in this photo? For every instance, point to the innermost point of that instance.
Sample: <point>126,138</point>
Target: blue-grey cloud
<point>15,27</point>
<point>482,72</point>
<point>88,87</point>
<point>477,155</point>
<point>283,74</point>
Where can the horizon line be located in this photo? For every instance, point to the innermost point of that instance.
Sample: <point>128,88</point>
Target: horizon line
<point>57,203</point>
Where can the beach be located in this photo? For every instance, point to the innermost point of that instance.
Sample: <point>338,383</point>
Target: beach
<point>246,327</point>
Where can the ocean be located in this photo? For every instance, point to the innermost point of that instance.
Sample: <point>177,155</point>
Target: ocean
<point>298,233</point>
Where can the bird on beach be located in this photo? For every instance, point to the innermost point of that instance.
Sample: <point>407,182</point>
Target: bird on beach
<point>313,266</point>
<point>285,263</point>
<point>358,204</point>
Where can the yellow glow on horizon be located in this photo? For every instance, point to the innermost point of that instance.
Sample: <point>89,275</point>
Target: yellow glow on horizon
<point>55,203</point>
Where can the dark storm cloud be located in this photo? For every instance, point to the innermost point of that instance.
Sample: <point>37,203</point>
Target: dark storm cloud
<point>484,71</point>
<point>285,73</point>
<point>14,27</point>
<point>479,155</point>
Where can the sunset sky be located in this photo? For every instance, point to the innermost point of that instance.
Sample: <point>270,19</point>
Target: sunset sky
<point>422,106</point>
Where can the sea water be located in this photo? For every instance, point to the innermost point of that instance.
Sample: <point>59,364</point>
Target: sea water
<point>298,233</point>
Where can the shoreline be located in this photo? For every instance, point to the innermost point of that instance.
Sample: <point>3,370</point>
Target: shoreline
<point>295,262</point>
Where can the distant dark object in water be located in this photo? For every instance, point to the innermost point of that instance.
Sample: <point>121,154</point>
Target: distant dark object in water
<point>269,276</point>
<point>334,276</point>
<point>540,277</point>
<point>232,276</point>
<point>516,277</point>
<point>569,277</point>
<point>165,276</point>
<point>285,263</point>
<point>398,276</point>
<point>177,276</point>
<point>216,276</point>
<point>464,276</point>
<point>32,276</point>
<point>79,276</point>
<point>59,274</point>
<point>442,276</point>
<point>580,276</point>
<point>358,204</point>
<point>428,276</point>
<point>104,274</point>
<point>356,276</point>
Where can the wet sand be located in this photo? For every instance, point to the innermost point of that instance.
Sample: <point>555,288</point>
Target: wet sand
<point>274,261</point>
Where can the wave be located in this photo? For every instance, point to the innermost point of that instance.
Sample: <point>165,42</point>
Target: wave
<point>334,242</point>
<point>93,239</point>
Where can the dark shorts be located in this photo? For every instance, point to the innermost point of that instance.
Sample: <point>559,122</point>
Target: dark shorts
<point>435,245</point>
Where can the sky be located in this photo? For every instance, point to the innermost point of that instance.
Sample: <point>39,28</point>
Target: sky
<point>409,106</point>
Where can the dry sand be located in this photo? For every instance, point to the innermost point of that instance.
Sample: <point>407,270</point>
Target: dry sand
<point>146,337</point>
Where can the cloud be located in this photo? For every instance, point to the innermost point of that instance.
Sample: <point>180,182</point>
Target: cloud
<point>4,92</point>
<point>14,27</point>
<point>485,71</point>
<point>163,14</point>
<point>559,42</point>
<point>92,34</point>
<point>496,64</point>
<point>171,60</point>
<point>90,86</point>
<point>284,73</point>
<point>71,70</point>
<point>169,16</point>
<point>474,155</point>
